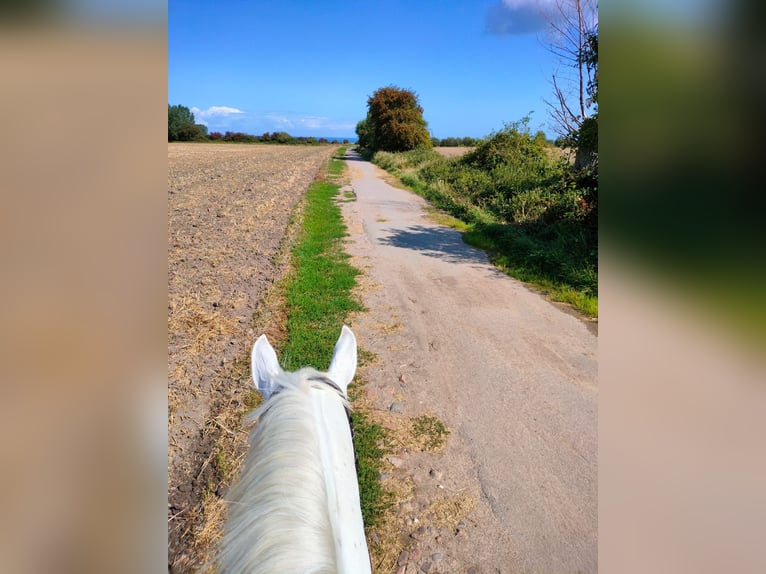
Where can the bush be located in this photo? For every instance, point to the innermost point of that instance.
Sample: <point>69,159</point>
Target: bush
<point>282,138</point>
<point>511,146</point>
<point>192,132</point>
<point>474,184</point>
<point>435,171</point>
<point>239,137</point>
<point>385,160</point>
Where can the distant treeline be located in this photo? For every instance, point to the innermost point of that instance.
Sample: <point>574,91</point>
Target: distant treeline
<point>182,127</point>
<point>275,137</point>
<point>473,142</point>
<point>455,142</point>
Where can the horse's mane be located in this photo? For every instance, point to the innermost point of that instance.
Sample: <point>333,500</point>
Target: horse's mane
<point>281,493</point>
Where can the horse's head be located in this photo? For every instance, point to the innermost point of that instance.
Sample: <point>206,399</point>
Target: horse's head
<point>267,372</point>
<point>300,475</point>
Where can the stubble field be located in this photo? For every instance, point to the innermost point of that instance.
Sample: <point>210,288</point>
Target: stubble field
<point>229,209</point>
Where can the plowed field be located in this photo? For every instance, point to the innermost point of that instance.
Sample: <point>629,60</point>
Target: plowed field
<point>229,207</point>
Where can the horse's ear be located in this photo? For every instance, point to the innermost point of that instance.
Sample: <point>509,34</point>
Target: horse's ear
<point>343,364</point>
<point>265,366</point>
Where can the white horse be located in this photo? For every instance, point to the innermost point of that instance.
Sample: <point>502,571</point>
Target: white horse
<point>296,506</point>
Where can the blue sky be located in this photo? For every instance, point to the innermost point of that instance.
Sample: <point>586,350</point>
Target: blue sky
<point>307,67</point>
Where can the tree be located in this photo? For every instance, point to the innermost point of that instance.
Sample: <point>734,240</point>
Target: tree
<point>572,26</point>
<point>589,57</point>
<point>364,134</point>
<point>586,136</point>
<point>180,119</point>
<point>394,122</point>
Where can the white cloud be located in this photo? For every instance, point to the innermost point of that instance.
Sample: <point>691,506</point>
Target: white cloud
<point>518,17</point>
<point>521,17</point>
<point>215,113</point>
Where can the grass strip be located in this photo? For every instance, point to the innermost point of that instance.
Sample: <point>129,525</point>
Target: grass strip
<point>319,300</point>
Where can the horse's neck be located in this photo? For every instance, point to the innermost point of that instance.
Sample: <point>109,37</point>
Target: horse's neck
<point>337,456</point>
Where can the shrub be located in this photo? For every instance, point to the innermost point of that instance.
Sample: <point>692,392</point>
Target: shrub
<point>437,170</point>
<point>510,146</point>
<point>191,132</point>
<point>385,160</point>
<point>529,205</point>
<point>475,184</point>
<point>239,137</point>
<point>281,137</point>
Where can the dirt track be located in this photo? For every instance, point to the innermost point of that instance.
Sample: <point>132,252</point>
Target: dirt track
<point>228,210</point>
<point>512,375</point>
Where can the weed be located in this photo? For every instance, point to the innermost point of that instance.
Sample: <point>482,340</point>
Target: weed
<point>430,432</point>
<point>365,357</point>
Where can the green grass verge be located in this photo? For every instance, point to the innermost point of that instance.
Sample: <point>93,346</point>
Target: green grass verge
<point>319,300</point>
<point>368,435</point>
<point>549,265</point>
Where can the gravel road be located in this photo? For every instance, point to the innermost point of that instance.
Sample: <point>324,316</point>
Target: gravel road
<point>512,375</point>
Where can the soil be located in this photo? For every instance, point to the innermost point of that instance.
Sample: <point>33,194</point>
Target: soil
<point>229,210</point>
<point>453,151</point>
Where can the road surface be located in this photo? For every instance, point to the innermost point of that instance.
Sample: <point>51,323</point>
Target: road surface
<point>512,375</point>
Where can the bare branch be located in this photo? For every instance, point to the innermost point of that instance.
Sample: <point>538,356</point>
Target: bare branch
<point>566,121</point>
<point>569,24</point>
